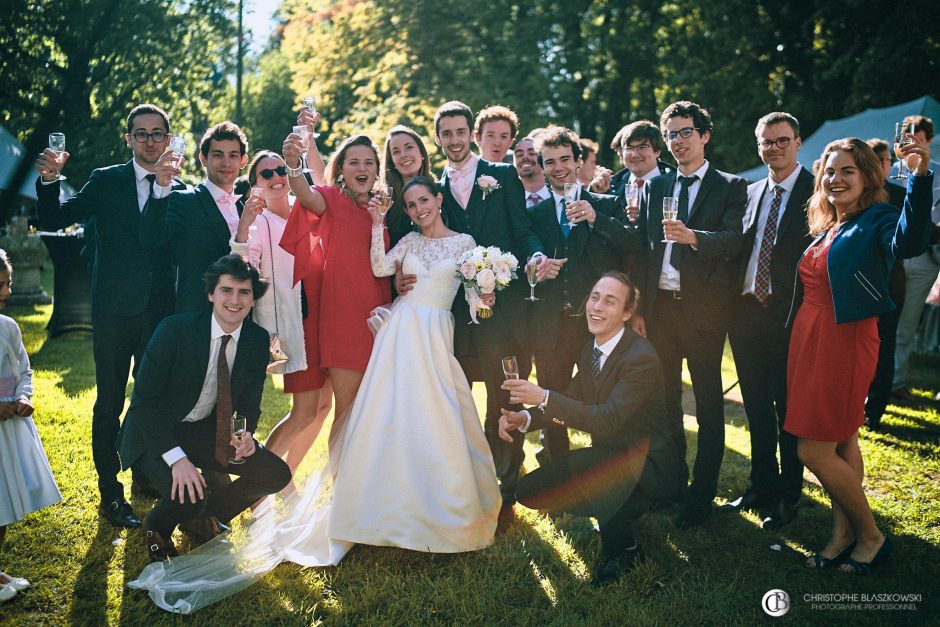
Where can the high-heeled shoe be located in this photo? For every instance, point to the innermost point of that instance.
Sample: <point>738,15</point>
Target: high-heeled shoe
<point>819,562</point>
<point>863,569</point>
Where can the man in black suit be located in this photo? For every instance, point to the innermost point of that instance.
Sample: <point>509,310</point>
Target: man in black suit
<point>775,235</point>
<point>494,216</point>
<point>690,283</point>
<point>199,224</point>
<point>593,241</point>
<point>632,465</point>
<point>180,417</point>
<point>639,145</point>
<point>132,285</point>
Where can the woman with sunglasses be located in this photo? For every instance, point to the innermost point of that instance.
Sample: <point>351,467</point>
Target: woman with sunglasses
<point>281,310</point>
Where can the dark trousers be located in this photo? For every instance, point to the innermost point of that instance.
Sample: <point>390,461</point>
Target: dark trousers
<point>490,344</point>
<point>262,473</point>
<point>116,340</point>
<point>554,367</point>
<point>759,343</point>
<point>670,333</point>
<point>880,390</point>
<point>573,488</point>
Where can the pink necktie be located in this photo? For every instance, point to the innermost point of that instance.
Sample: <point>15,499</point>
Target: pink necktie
<point>461,184</point>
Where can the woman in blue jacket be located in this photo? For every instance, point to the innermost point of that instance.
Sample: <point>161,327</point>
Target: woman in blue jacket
<point>842,288</point>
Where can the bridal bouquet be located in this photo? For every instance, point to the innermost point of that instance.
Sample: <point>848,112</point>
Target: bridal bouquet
<point>484,270</point>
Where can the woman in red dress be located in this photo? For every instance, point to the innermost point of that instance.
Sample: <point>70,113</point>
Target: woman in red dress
<point>842,289</point>
<point>333,218</point>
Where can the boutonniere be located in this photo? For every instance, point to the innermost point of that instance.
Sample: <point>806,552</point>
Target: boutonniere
<point>488,184</point>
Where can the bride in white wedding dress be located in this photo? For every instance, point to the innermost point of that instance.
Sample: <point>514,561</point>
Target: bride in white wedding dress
<point>411,467</point>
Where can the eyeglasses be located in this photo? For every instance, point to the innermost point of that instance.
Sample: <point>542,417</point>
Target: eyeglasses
<point>141,136</point>
<point>780,142</point>
<point>684,133</point>
<point>637,148</point>
<point>268,174</point>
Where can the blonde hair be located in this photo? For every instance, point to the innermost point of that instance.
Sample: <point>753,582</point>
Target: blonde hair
<point>820,213</point>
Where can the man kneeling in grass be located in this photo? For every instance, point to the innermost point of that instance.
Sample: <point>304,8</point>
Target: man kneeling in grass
<point>201,371</point>
<point>632,465</point>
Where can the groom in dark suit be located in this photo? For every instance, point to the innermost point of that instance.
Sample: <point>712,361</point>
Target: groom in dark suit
<point>180,417</point>
<point>132,284</point>
<point>588,234</point>
<point>633,464</point>
<point>494,215</point>
<point>775,235</point>
<point>199,224</point>
<point>690,282</point>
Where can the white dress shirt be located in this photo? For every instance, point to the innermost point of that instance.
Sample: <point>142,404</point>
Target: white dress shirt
<point>461,187</point>
<point>543,194</point>
<point>763,210</point>
<point>646,178</point>
<point>669,276</point>
<point>209,393</point>
<point>226,203</point>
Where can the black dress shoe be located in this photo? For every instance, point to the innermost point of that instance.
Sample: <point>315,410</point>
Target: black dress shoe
<point>692,515</point>
<point>119,513</point>
<point>159,547</point>
<point>750,500</point>
<point>782,513</point>
<point>611,569</point>
<point>201,530</point>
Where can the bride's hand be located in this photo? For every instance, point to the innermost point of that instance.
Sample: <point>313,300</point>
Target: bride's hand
<point>488,299</point>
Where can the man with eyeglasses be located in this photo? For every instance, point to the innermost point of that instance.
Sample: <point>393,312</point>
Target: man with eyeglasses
<point>689,285</point>
<point>132,285</point>
<point>775,235</point>
<point>639,145</point>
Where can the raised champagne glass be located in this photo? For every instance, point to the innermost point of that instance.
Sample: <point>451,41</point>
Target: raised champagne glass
<point>177,148</point>
<point>900,140</point>
<point>57,144</point>
<point>511,367</point>
<point>531,275</point>
<point>670,211</point>
<point>239,429</point>
<point>632,194</point>
<point>310,104</point>
<point>383,194</point>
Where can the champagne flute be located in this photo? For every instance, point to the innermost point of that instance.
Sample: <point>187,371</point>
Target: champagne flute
<point>384,196</point>
<point>531,275</point>
<point>177,148</point>
<point>511,367</point>
<point>57,144</point>
<point>239,429</point>
<point>900,140</point>
<point>670,211</point>
<point>310,103</point>
<point>571,193</point>
<point>632,194</point>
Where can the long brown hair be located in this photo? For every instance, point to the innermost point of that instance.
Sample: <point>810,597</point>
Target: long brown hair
<point>397,220</point>
<point>820,213</point>
<point>335,165</point>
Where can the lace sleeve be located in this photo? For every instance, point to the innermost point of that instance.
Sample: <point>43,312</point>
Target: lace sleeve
<point>383,264</point>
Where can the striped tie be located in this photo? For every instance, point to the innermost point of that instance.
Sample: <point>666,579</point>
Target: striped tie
<point>596,366</point>
<point>762,278</point>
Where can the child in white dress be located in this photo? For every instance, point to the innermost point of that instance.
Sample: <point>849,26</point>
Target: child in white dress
<point>26,482</point>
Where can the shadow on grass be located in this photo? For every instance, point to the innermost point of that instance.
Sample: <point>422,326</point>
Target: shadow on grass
<point>90,596</point>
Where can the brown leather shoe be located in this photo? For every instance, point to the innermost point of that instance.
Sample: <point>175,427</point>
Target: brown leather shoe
<point>201,530</point>
<point>158,547</point>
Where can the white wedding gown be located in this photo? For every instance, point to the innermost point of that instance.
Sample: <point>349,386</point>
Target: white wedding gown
<point>412,467</point>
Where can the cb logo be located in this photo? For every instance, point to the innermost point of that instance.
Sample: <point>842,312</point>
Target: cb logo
<point>776,603</point>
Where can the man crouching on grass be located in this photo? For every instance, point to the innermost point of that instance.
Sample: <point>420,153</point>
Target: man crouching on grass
<point>617,396</point>
<point>199,369</point>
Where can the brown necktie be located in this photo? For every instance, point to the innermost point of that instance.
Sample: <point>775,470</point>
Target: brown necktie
<point>223,407</point>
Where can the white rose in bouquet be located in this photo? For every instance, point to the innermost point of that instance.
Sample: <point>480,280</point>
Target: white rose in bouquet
<point>468,270</point>
<point>486,279</point>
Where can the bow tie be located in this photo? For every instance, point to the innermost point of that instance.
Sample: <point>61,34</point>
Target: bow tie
<point>456,175</point>
<point>227,199</point>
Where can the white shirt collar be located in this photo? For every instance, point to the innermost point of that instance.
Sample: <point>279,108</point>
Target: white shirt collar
<point>216,191</point>
<point>559,197</point>
<point>544,192</point>
<point>787,183</point>
<point>700,173</point>
<point>608,347</point>
<point>649,176</point>
<point>216,331</point>
<point>471,164</point>
<point>139,172</point>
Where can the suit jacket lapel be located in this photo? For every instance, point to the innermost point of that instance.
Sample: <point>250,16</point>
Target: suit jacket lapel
<point>753,207</point>
<point>582,231</point>
<point>130,198</point>
<point>202,342</point>
<point>708,182</point>
<point>794,212</point>
<point>476,206</point>
<point>219,225</point>
<point>604,381</point>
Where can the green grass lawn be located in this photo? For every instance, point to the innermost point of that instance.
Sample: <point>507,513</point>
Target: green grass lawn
<point>536,573</point>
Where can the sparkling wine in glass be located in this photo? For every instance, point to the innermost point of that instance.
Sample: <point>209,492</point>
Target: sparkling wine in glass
<point>239,429</point>
<point>384,196</point>
<point>511,367</point>
<point>310,104</point>
<point>177,148</point>
<point>632,194</point>
<point>900,140</point>
<point>670,210</point>
<point>531,275</point>
<point>571,193</point>
<point>57,144</point>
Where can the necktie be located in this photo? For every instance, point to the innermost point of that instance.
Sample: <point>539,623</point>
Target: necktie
<point>228,199</point>
<point>596,366</point>
<point>455,175</point>
<point>223,407</point>
<point>533,199</point>
<point>563,220</point>
<point>762,277</point>
<point>683,217</point>
<point>152,178</point>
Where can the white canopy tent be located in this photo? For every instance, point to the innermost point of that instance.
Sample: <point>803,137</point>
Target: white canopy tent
<point>867,124</point>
